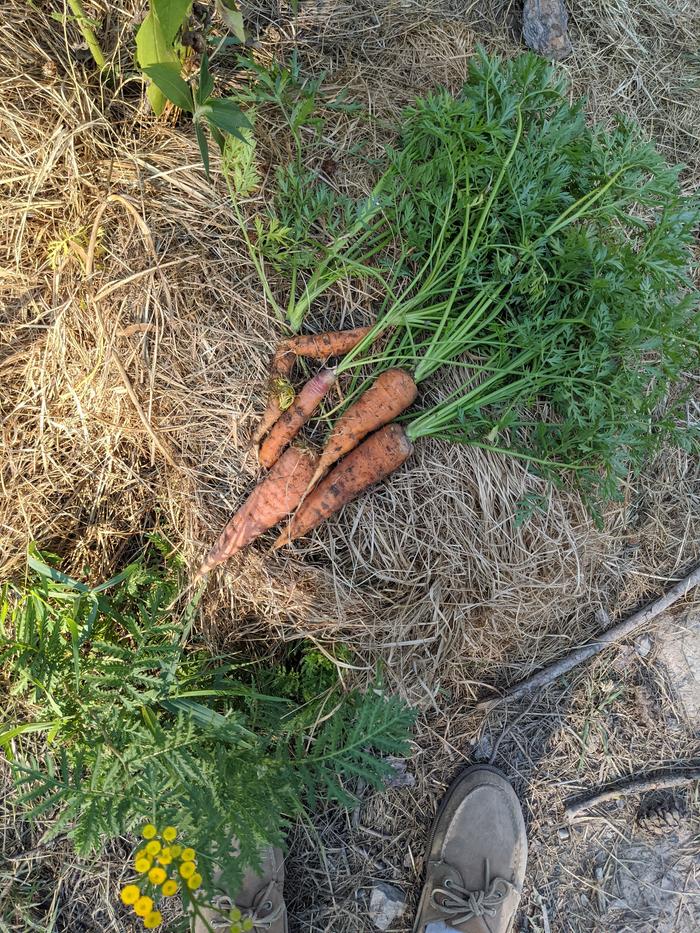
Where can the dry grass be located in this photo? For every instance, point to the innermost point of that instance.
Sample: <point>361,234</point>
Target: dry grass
<point>129,385</point>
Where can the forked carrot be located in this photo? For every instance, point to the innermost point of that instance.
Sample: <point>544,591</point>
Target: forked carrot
<point>375,458</point>
<point>295,417</point>
<point>271,500</point>
<point>391,393</point>
<point>312,346</point>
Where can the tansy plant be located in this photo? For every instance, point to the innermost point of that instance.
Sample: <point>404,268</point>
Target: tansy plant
<point>123,720</point>
<point>164,866</point>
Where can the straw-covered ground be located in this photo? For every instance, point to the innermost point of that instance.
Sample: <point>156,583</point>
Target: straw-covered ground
<point>133,353</point>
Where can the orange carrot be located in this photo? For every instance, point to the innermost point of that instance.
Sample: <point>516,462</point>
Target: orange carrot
<point>375,458</point>
<point>391,393</point>
<point>295,417</point>
<point>313,346</point>
<point>323,346</point>
<point>279,386</point>
<point>273,498</point>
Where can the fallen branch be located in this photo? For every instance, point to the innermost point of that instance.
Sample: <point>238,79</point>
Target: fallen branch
<point>610,637</point>
<point>660,780</point>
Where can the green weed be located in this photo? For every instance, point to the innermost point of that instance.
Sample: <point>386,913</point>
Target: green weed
<point>140,725</point>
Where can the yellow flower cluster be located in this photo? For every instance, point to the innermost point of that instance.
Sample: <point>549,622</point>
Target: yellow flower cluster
<point>154,861</point>
<point>240,923</point>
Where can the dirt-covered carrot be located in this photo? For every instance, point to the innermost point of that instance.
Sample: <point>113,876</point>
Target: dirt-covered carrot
<point>271,500</point>
<point>375,458</point>
<point>311,346</point>
<point>295,417</point>
<point>279,389</point>
<point>391,393</point>
<point>324,346</point>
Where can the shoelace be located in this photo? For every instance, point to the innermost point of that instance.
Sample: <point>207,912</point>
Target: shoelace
<point>263,916</point>
<point>459,904</point>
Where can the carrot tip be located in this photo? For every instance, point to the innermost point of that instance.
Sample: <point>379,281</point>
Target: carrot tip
<point>318,474</point>
<point>281,540</point>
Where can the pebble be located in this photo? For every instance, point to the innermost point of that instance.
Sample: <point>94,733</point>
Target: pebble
<point>481,750</point>
<point>401,777</point>
<point>386,905</point>
<point>564,833</point>
<point>643,646</point>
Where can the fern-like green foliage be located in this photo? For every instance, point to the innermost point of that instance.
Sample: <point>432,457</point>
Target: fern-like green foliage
<point>142,727</point>
<point>587,244</point>
<point>549,258</point>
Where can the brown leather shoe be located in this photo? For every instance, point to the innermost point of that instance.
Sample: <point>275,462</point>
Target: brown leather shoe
<point>476,857</point>
<point>259,905</point>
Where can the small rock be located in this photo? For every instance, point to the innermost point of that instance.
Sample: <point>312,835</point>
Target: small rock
<point>401,777</point>
<point>564,833</point>
<point>545,28</point>
<point>643,646</point>
<point>386,905</point>
<point>483,748</point>
<point>598,874</point>
<point>583,900</point>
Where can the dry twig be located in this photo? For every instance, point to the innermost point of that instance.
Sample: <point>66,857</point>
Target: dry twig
<point>613,635</point>
<point>657,781</point>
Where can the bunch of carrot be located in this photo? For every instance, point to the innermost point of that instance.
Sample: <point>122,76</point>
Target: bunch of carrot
<point>548,262</point>
<point>293,481</point>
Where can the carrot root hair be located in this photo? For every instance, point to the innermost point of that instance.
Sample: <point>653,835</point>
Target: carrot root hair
<point>312,346</point>
<point>279,387</point>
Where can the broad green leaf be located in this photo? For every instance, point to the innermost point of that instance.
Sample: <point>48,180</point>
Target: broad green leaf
<point>166,76</point>
<point>203,145</point>
<point>232,16</point>
<point>227,116</point>
<point>117,578</point>
<point>7,735</point>
<point>238,691</point>
<point>171,14</point>
<point>156,98</point>
<point>57,576</point>
<point>206,82</point>
<point>229,729</point>
<point>152,48</point>
<point>218,137</point>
